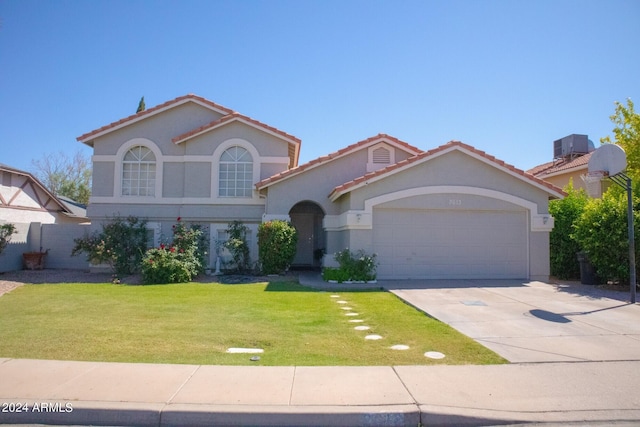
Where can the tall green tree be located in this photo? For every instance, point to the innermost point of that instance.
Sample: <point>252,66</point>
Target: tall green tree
<point>141,106</point>
<point>626,134</point>
<point>64,175</point>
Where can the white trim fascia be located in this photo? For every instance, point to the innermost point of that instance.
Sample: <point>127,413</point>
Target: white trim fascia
<point>207,201</point>
<point>204,158</point>
<point>363,219</point>
<point>153,113</point>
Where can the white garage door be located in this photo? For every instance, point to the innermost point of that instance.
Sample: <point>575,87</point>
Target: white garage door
<point>450,244</point>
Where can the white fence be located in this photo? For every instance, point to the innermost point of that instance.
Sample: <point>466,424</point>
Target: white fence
<point>56,239</point>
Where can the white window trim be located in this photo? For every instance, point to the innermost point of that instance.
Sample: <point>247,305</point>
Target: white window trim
<point>215,171</point>
<point>122,151</point>
<point>375,166</point>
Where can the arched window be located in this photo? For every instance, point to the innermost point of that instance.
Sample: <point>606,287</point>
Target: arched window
<point>236,173</point>
<point>139,172</point>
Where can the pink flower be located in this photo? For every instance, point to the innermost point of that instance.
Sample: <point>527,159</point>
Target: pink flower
<point>179,219</point>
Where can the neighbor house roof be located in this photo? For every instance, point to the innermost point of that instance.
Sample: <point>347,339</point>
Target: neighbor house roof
<point>427,155</point>
<point>335,155</point>
<point>561,166</point>
<point>228,116</point>
<point>34,182</point>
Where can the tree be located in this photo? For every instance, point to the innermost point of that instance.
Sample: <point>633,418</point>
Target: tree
<point>627,135</point>
<point>141,106</point>
<point>64,175</point>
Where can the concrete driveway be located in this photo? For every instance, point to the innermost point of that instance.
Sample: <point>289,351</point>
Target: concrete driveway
<point>532,321</point>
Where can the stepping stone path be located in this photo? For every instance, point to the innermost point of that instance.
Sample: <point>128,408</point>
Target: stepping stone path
<point>244,350</point>
<point>434,355</point>
<point>372,337</point>
<point>399,347</point>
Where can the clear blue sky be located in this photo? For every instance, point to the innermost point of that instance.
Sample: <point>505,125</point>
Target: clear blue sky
<point>507,77</point>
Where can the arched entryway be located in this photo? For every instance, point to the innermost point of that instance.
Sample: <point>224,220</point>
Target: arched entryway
<point>307,218</point>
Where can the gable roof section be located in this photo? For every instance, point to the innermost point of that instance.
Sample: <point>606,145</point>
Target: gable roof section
<point>229,116</point>
<point>35,183</point>
<point>436,152</point>
<point>337,154</point>
<point>88,137</point>
<point>561,166</point>
<point>294,143</point>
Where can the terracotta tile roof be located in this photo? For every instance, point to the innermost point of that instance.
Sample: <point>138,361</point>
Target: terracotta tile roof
<point>329,157</point>
<point>564,165</point>
<point>235,116</point>
<point>150,111</point>
<point>344,188</point>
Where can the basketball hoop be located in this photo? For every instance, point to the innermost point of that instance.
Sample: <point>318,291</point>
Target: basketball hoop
<point>593,182</point>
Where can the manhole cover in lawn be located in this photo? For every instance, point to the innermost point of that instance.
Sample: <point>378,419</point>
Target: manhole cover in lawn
<point>434,355</point>
<point>362,328</point>
<point>399,347</point>
<point>373,337</point>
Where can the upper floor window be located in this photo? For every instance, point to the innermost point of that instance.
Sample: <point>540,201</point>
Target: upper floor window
<point>139,172</point>
<point>236,173</point>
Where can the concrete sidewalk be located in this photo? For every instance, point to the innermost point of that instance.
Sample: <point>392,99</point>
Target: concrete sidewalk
<point>124,394</point>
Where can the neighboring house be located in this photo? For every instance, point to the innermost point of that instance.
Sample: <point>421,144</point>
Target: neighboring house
<point>570,165</point>
<point>43,221</point>
<point>451,212</point>
<point>23,199</point>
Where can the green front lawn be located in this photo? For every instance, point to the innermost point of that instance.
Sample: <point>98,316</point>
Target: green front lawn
<point>196,323</point>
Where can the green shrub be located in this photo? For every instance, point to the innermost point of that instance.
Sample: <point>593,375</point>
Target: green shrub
<point>277,242</point>
<point>358,266</point>
<point>237,245</point>
<point>121,244</point>
<point>563,248</point>
<point>601,231</point>
<point>179,261</point>
<point>6,231</point>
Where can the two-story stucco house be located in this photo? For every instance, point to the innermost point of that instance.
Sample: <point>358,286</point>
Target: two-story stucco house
<point>451,212</point>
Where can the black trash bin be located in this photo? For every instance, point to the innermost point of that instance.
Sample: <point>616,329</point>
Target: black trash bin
<point>587,272</point>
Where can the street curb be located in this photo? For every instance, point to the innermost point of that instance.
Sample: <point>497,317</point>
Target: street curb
<point>183,415</point>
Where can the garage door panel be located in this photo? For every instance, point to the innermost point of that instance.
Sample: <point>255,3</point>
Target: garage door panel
<point>422,243</point>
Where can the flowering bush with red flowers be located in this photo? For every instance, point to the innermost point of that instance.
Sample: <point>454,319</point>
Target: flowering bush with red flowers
<point>179,261</point>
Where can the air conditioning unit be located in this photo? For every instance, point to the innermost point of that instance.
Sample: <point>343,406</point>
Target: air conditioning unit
<point>572,144</point>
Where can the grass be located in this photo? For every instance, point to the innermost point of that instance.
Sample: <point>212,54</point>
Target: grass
<point>195,323</point>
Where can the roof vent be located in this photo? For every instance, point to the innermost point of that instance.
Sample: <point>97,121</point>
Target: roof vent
<point>573,145</point>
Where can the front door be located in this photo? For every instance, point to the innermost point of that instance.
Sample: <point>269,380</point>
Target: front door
<point>307,217</point>
<point>304,224</point>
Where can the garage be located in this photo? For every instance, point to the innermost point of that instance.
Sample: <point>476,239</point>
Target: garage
<point>451,243</point>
